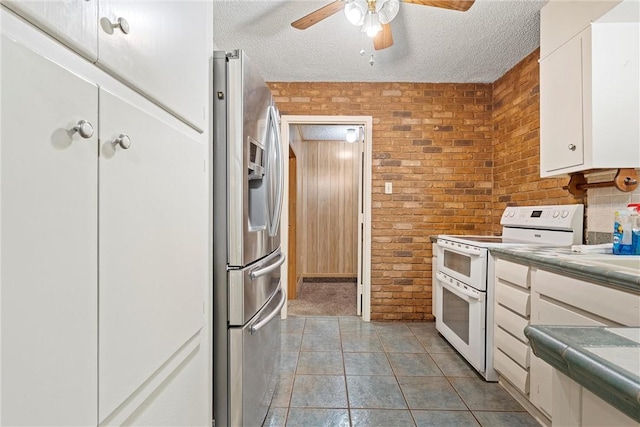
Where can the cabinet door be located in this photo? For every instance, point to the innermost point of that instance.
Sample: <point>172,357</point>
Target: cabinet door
<point>153,246</point>
<point>161,51</point>
<point>74,23</point>
<point>49,243</point>
<point>549,313</point>
<point>561,109</point>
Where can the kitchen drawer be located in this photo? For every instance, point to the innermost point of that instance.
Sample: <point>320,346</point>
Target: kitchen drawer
<point>514,373</point>
<point>511,272</point>
<point>513,347</point>
<point>549,313</point>
<point>511,322</point>
<point>513,298</point>
<point>605,302</point>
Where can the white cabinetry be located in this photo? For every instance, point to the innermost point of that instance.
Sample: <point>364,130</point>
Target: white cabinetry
<point>589,88</point>
<point>560,300</point>
<point>512,310</point>
<point>104,252</point>
<point>74,23</point>
<point>49,177</point>
<point>153,205</point>
<point>151,46</point>
<point>159,48</point>
<point>573,405</point>
<point>560,20</point>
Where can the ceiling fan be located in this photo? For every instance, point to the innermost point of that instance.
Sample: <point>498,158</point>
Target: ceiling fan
<point>374,16</point>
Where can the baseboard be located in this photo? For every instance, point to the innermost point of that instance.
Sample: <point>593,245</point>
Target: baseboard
<point>526,403</point>
<point>324,278</point>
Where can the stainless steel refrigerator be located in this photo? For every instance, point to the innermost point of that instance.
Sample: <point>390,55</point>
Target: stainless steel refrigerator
<point>247,205</point>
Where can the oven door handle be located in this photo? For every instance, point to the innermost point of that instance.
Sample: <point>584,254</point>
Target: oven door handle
<point>460,249</point>
<point>462,293</point>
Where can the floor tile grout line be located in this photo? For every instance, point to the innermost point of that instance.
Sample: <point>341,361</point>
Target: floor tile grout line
<point>395,375</point>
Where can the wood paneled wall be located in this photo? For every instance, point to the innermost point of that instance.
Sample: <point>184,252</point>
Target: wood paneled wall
<point>327,208</point>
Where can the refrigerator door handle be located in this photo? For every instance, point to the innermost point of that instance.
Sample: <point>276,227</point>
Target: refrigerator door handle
<point>275,220</point>
<point>258,325</point>
<point>262,271</point>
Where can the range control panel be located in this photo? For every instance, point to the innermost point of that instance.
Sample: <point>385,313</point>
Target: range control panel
<point>559,217</point>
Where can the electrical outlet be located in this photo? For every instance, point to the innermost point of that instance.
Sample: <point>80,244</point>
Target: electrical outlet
<point>388,188</point>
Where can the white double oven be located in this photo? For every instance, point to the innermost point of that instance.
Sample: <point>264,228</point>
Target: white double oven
<point>464,276</point>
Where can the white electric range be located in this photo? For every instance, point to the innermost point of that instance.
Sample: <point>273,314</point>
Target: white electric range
<point>464,288</point>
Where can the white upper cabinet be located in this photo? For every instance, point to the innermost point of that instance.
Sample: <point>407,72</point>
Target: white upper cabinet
<point>152,45</point>
<point>74,23</point>
<point>560,20</point>
<point>49,257</point>
<point>589,102</point>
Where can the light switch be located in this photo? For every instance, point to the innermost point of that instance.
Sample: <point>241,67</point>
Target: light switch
<point>388,188</point>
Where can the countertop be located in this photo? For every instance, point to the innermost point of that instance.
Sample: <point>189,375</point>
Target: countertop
<point>562,261</point>
<point>604,360</point>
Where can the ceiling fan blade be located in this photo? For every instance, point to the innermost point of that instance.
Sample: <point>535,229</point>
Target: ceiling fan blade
<point>461,5</point>
<point>384,38</point>
<point>318,15</point>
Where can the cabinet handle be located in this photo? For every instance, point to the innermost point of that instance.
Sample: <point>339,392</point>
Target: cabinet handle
<point>122,24</point>
<point>572,147</point>
<point>84,128</point>
<point>123,141</point>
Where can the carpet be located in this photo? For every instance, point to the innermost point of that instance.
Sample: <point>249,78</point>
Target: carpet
<point>324,299</point>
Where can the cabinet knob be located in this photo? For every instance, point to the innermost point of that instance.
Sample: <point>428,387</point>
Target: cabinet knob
<point>84,128</point>
<point>122,24</point>
<point>572,147</point>
<point>123,141</point>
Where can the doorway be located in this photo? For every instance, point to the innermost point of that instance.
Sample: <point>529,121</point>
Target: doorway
<point>361,153</point>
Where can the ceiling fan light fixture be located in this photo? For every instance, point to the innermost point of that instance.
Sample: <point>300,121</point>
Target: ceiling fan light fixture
<point>371,24</point>
<point>354,12</point>
<point>388,10</point>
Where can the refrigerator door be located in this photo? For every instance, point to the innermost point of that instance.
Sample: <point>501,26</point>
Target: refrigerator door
<point>254,164</point>
<point>253,364</point>
<point>252,286</point>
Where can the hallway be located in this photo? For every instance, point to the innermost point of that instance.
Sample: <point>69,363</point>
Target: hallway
<point>341,371</point>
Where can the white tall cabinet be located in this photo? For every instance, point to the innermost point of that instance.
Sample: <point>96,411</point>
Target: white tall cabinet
<point>103,221</point>
<point>49,243</point>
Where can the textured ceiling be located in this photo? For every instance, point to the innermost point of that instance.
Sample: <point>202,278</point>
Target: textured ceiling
<point>431,44</point>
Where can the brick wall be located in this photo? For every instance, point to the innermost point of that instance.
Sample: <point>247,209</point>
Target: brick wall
<point>462,151</point>
<point>516,143</point>
<point>434,142</point>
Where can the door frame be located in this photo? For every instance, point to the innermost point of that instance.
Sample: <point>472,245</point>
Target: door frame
<point>364,204</point>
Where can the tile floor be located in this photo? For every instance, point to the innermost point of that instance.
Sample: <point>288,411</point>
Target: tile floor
<point>340,371</point>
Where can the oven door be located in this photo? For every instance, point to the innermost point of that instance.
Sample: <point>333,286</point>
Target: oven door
<point>466,263</point>
<point>460,318</point>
